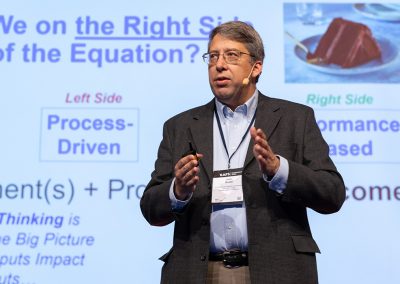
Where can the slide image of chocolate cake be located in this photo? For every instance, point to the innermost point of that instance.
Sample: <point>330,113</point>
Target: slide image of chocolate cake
<point>347,47</point>
<point>347,44</point>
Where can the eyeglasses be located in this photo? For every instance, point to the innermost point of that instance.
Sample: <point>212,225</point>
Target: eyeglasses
<point>230,57</point>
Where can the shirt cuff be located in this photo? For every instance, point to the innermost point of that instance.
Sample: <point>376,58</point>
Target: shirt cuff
<point>279,181</point>
<point>177,204</point>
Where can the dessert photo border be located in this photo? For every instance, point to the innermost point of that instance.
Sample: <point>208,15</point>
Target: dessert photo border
<point>344,42</point>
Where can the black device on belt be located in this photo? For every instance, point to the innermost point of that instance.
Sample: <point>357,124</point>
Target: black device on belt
<point>232,258</point>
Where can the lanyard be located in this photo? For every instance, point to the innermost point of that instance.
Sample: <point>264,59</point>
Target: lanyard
<point>223,138</point>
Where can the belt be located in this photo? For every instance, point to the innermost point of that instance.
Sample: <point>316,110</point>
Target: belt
<point>231,258</point>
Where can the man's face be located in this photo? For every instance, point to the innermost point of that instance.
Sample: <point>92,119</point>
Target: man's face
<point>226,80</point>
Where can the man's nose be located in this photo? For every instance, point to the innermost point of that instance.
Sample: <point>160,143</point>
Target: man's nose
<point>221,63</point>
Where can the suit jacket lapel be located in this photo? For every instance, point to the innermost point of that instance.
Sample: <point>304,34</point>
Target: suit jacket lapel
<point>201,130</point>
<point>202,134</point>
<point>267,118</point>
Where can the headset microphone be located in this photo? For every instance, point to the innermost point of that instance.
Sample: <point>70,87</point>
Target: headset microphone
<point>246,80</point>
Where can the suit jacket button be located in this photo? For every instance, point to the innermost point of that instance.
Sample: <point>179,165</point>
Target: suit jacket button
<point>203,258</point>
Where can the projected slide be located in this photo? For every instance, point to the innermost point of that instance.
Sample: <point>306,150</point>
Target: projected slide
<point>86,88</point>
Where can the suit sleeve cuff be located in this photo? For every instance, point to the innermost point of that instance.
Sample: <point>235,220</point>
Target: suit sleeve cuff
<point>279,181</point>
<point>176,204</point>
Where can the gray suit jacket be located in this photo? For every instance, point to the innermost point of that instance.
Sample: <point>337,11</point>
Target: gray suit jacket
<point>281,247</point>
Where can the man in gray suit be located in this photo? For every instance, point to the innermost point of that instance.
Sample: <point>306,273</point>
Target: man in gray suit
<point>237,175</point>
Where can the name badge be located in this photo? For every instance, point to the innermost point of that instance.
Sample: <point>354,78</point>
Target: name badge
<point>227,186</point>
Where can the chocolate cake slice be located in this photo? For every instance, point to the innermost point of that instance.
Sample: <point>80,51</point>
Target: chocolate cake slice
<point>346,44</point>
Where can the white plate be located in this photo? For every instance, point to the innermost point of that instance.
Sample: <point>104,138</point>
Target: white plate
<point>392,6</point>
<point>384,12</point>
<point>388,50</point>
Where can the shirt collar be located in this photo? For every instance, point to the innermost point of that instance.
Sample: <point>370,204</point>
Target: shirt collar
<point>247,109</point>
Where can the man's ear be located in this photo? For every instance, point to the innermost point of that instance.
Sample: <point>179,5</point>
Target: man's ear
<point>258,66</point>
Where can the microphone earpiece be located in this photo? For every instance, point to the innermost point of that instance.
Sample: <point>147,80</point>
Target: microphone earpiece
<point>246,80</point>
